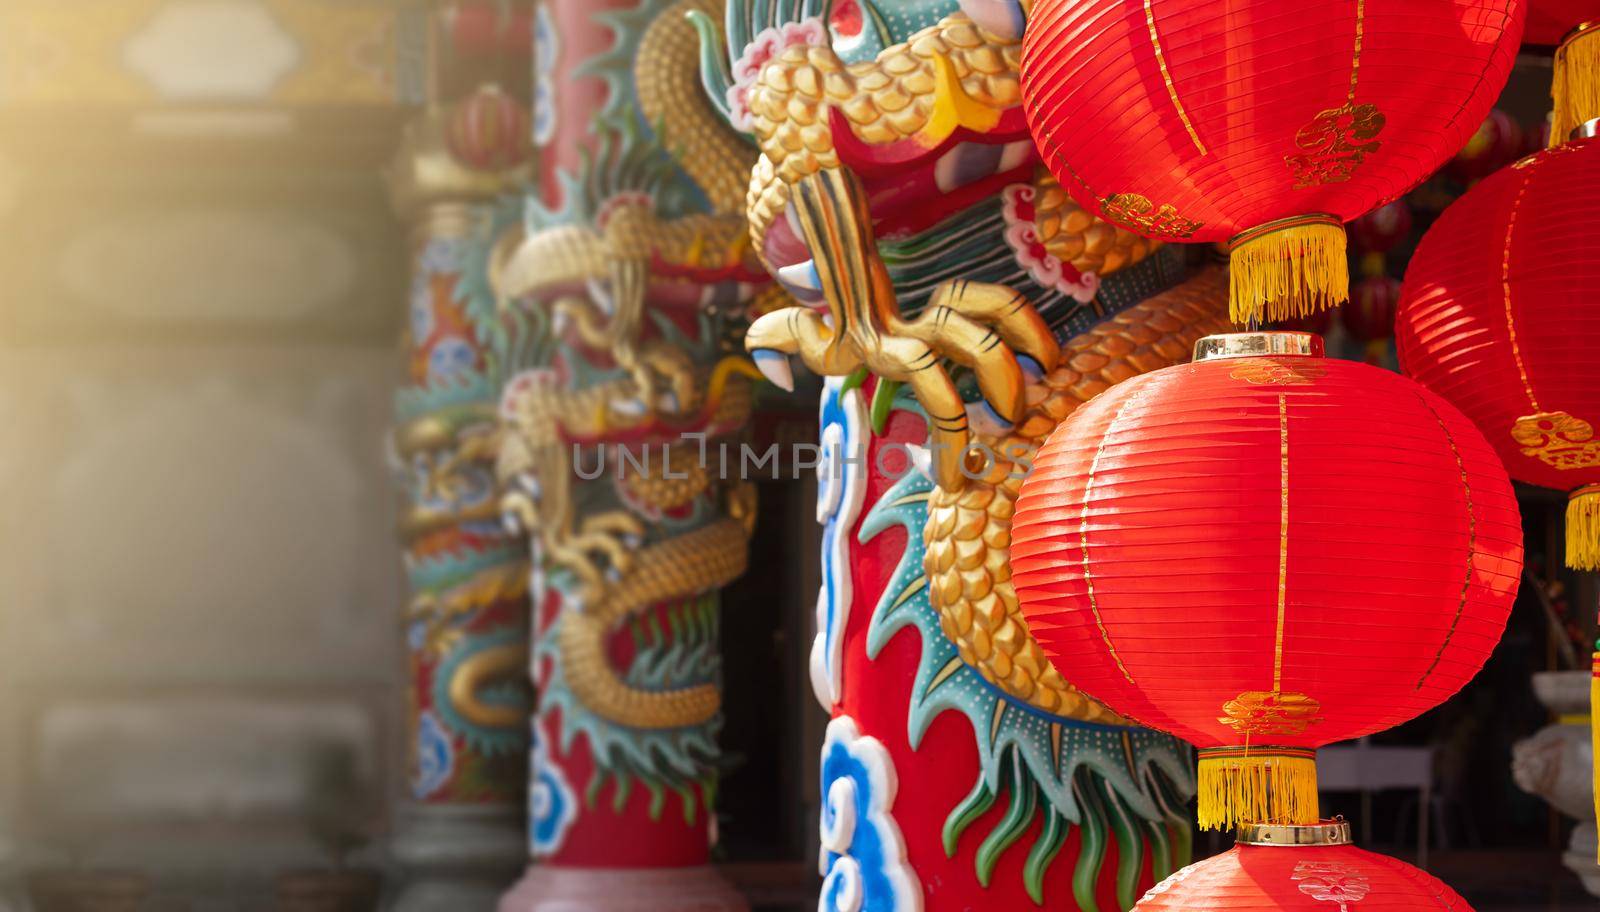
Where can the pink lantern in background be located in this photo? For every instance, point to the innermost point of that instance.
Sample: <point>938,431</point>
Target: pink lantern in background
<point>490,130</point>
<point>1495,145</point>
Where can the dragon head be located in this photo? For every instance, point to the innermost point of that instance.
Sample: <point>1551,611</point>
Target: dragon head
<point>919,100</point>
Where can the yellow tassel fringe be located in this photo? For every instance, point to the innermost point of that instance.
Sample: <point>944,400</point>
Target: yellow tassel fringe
<point>1594,732</point>
<point>1260,785</point>
<point>1575,91</point>
<point>1296,270</point>
<point>1583,528</point>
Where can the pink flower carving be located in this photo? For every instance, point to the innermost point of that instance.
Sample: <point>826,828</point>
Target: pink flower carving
<point>766,45</point>
<point>1022,236</point>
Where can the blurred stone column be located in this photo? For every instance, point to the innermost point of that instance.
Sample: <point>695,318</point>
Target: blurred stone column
<point>459,835</point>
<point>11,893</point>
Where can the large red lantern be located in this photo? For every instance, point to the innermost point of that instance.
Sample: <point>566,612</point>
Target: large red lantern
<point>1549,21</point>
<point>1497,142</point>
<point>1497,315</point>
<point>1300,869</point>
<point>1369,314</point>
<point>1258,122</point>
<point>1382,229</point>
<point>1263,552</point>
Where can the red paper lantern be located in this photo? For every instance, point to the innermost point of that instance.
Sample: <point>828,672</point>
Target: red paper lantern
<point>1498,316</point>
<point>1496,143</point>
<point>1369,314</point>
<point>1534,138</point>
<point>490,131</point>
<point>1549,21</point>
<point>1263,552</point>
<point>1258,122</point>
<point>1262,875</point>
<point>1380,230</point>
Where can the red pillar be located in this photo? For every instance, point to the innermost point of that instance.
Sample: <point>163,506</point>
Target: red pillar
<point>459,832</point>
<point>617,288</point>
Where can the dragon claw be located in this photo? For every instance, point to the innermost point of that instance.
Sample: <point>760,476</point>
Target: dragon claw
<point>983,418</point>
<point>921,460</point>
<point>600,294</point>
<point>990,329</point>
<point>1032,370</point>
<point>802,281</point>
<point>775,367</point>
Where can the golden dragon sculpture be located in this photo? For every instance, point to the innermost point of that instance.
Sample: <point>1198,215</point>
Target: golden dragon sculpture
<point>452,444</point>
<point>969,527</point>
<point>947,78</point>
<point>597,280</point>
<point>951,75</point>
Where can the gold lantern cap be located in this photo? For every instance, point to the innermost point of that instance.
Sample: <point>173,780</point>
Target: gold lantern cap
<point>1581,30</point>
<point>1335,832</point>
<point>1258,345</point>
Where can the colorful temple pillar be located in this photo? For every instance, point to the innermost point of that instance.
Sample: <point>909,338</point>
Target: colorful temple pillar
<point>961,306</point>
<point>458,839</point>
<point>623,289</point>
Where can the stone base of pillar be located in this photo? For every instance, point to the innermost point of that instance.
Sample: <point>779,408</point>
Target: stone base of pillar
<point>551,889</point>
<point>12,897</point>
<point>456,858</point>
<point>445,895</point>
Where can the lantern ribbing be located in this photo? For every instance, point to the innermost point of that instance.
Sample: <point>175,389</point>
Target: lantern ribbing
<point>1311,876</point>
<point>1496,316</point>
<point>1205,120</point>
<point>1263,552</point>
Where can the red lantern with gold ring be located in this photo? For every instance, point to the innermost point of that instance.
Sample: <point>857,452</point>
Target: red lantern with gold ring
<point>1263,552</point>
<point>1258,122</point>
<point>1497,315</point>
<point>1300,869</point>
